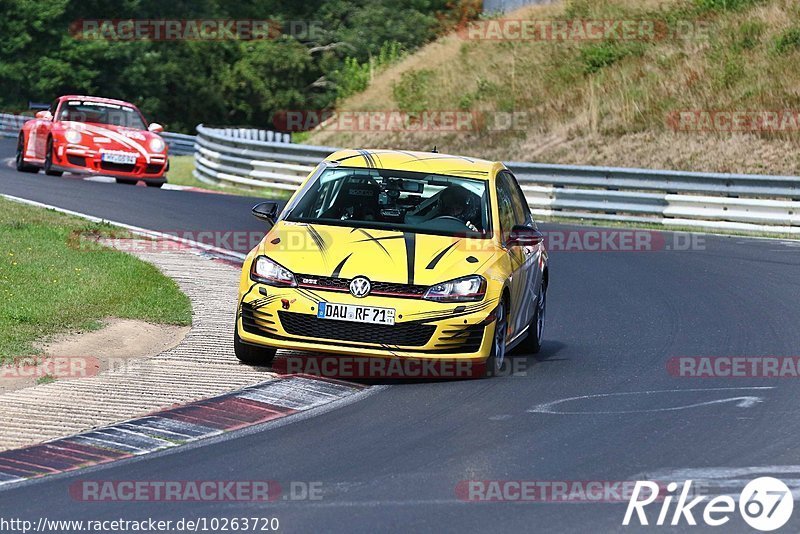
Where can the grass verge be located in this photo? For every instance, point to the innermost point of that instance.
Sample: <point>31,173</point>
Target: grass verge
<point>180,173</point>
<point>48,286</point>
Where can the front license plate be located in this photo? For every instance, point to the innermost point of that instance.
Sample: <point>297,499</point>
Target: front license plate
<point>355,313</point>
<point>124,158</point>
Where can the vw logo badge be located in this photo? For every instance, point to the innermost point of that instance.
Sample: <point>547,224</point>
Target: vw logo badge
<point>360,287</point>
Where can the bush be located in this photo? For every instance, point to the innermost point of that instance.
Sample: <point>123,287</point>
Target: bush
<point>411,92</point>
<point>788,41</point>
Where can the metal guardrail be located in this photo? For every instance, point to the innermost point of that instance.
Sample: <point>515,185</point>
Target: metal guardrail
<point>10,124</point>
<point>179,144</point>
<point>241,161</point>
<point>741,202</point>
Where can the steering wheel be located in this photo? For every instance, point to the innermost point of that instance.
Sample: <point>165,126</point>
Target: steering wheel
<point>449,218</point>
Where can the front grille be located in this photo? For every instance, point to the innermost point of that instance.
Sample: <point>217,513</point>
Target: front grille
<point>77,160</point>
<point>117,167</point>
<point>153,168</point>
<point>378,288</point>
<point>403,334</point>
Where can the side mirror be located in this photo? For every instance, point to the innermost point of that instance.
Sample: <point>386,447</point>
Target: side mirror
<point>155,127</point>
<point>44,115</point>
<point>524,236</point>
<point>266,211</point>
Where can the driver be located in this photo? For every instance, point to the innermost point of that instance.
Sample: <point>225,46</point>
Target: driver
<point>454,202</point>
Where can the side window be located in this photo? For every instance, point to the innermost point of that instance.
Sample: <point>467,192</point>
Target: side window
<point>522,213</point>
<point>505,206</point>
<point>53,108</point>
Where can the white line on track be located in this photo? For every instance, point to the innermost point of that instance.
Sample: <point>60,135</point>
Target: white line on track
<point>741,401</point>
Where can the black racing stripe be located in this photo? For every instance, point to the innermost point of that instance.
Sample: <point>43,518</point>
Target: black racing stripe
<point>338,270</point>
<point>371,159</point>
<point>317,238</point>
<point>367,159</point>
<point>377,240</point>
<point>307,295</point>
<point>411,245</point>
<point>441,254</point>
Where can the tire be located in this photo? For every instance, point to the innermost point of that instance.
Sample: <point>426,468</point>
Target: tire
<point>48,160</point>
<point>532,343</point>
<point>251,354</point>
<point>19,158</point>
<point>494,363</point>
<point>154,184</point>
<point>126,181</point>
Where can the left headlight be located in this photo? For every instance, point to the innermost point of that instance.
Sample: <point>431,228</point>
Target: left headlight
<point>72,136</point>
<point>466,289</point>
<point>157,145</point>
<point>268,272</point>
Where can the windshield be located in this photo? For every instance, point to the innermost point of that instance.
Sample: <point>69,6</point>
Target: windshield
<point>396,200</point>
<point>101,113</point>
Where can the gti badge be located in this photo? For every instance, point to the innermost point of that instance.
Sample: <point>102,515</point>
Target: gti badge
<point>360,287</point>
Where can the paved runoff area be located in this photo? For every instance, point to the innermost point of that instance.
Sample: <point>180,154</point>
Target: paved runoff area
<point>201,366</point>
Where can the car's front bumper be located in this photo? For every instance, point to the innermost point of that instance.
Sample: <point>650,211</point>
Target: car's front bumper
<point>285,318</point>
<point>80,159</point>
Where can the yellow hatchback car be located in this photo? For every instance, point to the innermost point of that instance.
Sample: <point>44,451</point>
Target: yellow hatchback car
<point>395,254</point>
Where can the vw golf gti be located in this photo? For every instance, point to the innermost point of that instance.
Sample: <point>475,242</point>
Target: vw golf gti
<point>397,254</point>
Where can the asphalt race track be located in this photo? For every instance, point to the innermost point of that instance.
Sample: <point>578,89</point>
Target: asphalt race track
<point>393,460</point>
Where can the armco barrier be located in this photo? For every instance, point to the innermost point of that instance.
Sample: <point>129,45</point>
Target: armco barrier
<point>715,201</point>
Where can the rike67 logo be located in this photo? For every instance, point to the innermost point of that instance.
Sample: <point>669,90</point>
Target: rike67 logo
<point>765,504</point>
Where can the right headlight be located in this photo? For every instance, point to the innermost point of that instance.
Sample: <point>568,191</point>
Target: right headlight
<point>268,272</point>
<point>72,136</point>
<point>466,289</point>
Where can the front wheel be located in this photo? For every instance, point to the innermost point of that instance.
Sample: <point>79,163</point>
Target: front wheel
<point>20,157</point>
<point>126,181</point>
<point>494,363</point>
<point>533,342</point>
<point>154,184</point>
<point>251,354</point>
<point>48,160</point>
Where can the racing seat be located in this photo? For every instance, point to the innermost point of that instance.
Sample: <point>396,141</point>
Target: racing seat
<point>357,200</point>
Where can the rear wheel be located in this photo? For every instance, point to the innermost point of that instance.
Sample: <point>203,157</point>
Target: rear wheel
<point>126,181</point>
<point>48,160</point>
<point>497,356</point>
<point>251,354</point>
<point>20,157</point>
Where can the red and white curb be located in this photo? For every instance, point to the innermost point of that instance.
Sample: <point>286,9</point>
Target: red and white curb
<point>173,427</point>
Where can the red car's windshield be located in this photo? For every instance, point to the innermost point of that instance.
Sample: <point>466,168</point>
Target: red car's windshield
<point>101,113</point>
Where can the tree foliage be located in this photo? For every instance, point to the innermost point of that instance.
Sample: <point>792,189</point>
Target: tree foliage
<point>184,82</point>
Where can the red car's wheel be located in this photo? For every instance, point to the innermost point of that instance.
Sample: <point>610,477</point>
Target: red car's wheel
<point>20,157</point>
<point>48,160</point>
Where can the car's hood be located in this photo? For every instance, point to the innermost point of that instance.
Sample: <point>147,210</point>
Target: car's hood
<point>380,255</point>
<point>114,137</point>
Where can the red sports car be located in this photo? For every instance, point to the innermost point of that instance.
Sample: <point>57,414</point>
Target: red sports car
<point>91,135</point>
